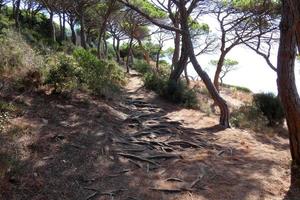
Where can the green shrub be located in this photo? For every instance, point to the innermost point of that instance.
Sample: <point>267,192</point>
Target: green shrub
<point>63,74</point>
<point>270,106</point>
<point>248,116</point>
<point>154,82</point>
<point>102,77</point>
<point>4,22</point>
<point>141,66</point>
<point>178,93</point>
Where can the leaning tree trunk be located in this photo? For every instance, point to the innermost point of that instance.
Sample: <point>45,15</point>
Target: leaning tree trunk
<point>286,78</point>
<point>186,38</point>
<point>219,101</point>
<point>218,71</point>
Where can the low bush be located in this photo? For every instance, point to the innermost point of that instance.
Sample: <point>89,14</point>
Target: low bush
<point>248,116</point>
<point>63,73</point>
<point>265,110</point>
<point>102,77</point>
<point>141,66</point>
<point>270,106</point>
<point>178,93</point>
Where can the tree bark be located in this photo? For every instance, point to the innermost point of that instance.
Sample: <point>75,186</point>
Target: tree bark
<point>64,26</point>
<point>146,53</point>
<point>17,14</point>
<point>186,38</point>
<point>60,27</point>
<point>82,31</point>
<point>53,34</point>
<point>186,75</point>
<point>129,55</point>
<point>157,58</point>
<point>219,70</point>
<point>177,38</point>
<point>72,27</point>
<point>116,45</point>
<point>286,78</point>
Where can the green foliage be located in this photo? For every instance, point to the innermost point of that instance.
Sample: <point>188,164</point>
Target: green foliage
<point>149,8</point>
<point>141,66</point>
<point>248,116</point>
<point>4,22</point>
<point>63,74</point>
<point>7,107</point>
<point>154,82</point>
<point>16,56</point>
<point>102,77</point>
<point>227,62</point>
<point>178,93</point>
<point>238,88</point>
<point>270,106</point>
<point>264,110</point>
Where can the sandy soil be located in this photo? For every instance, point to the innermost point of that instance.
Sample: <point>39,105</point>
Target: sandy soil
<point>134,147</point>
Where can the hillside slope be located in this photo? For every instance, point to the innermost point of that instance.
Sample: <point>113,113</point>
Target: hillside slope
<point>136,146</point>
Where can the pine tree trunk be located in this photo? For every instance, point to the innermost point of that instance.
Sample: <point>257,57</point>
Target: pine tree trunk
<point>186,39</point>
<point>74,40</point>
<point>286,79</point>
<point>53,34</point>
<point>129,54</point>
<point>186,75</point>
<point>82,31</point>
<point>17,14</point>
<point>218,71</point>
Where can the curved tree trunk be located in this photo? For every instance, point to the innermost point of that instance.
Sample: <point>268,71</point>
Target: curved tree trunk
<point>218,71</point>
<point>286,78</point>
<point>219,101</point>
<point>186,39</point>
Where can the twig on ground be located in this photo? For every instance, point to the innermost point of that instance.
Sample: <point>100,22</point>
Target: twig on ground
<point>184,144</point>
<point>174,179</point>
<point>92,195</point>
<point>137,158</point>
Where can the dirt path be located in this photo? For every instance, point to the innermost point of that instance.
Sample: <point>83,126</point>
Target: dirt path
<point>137,147</point>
